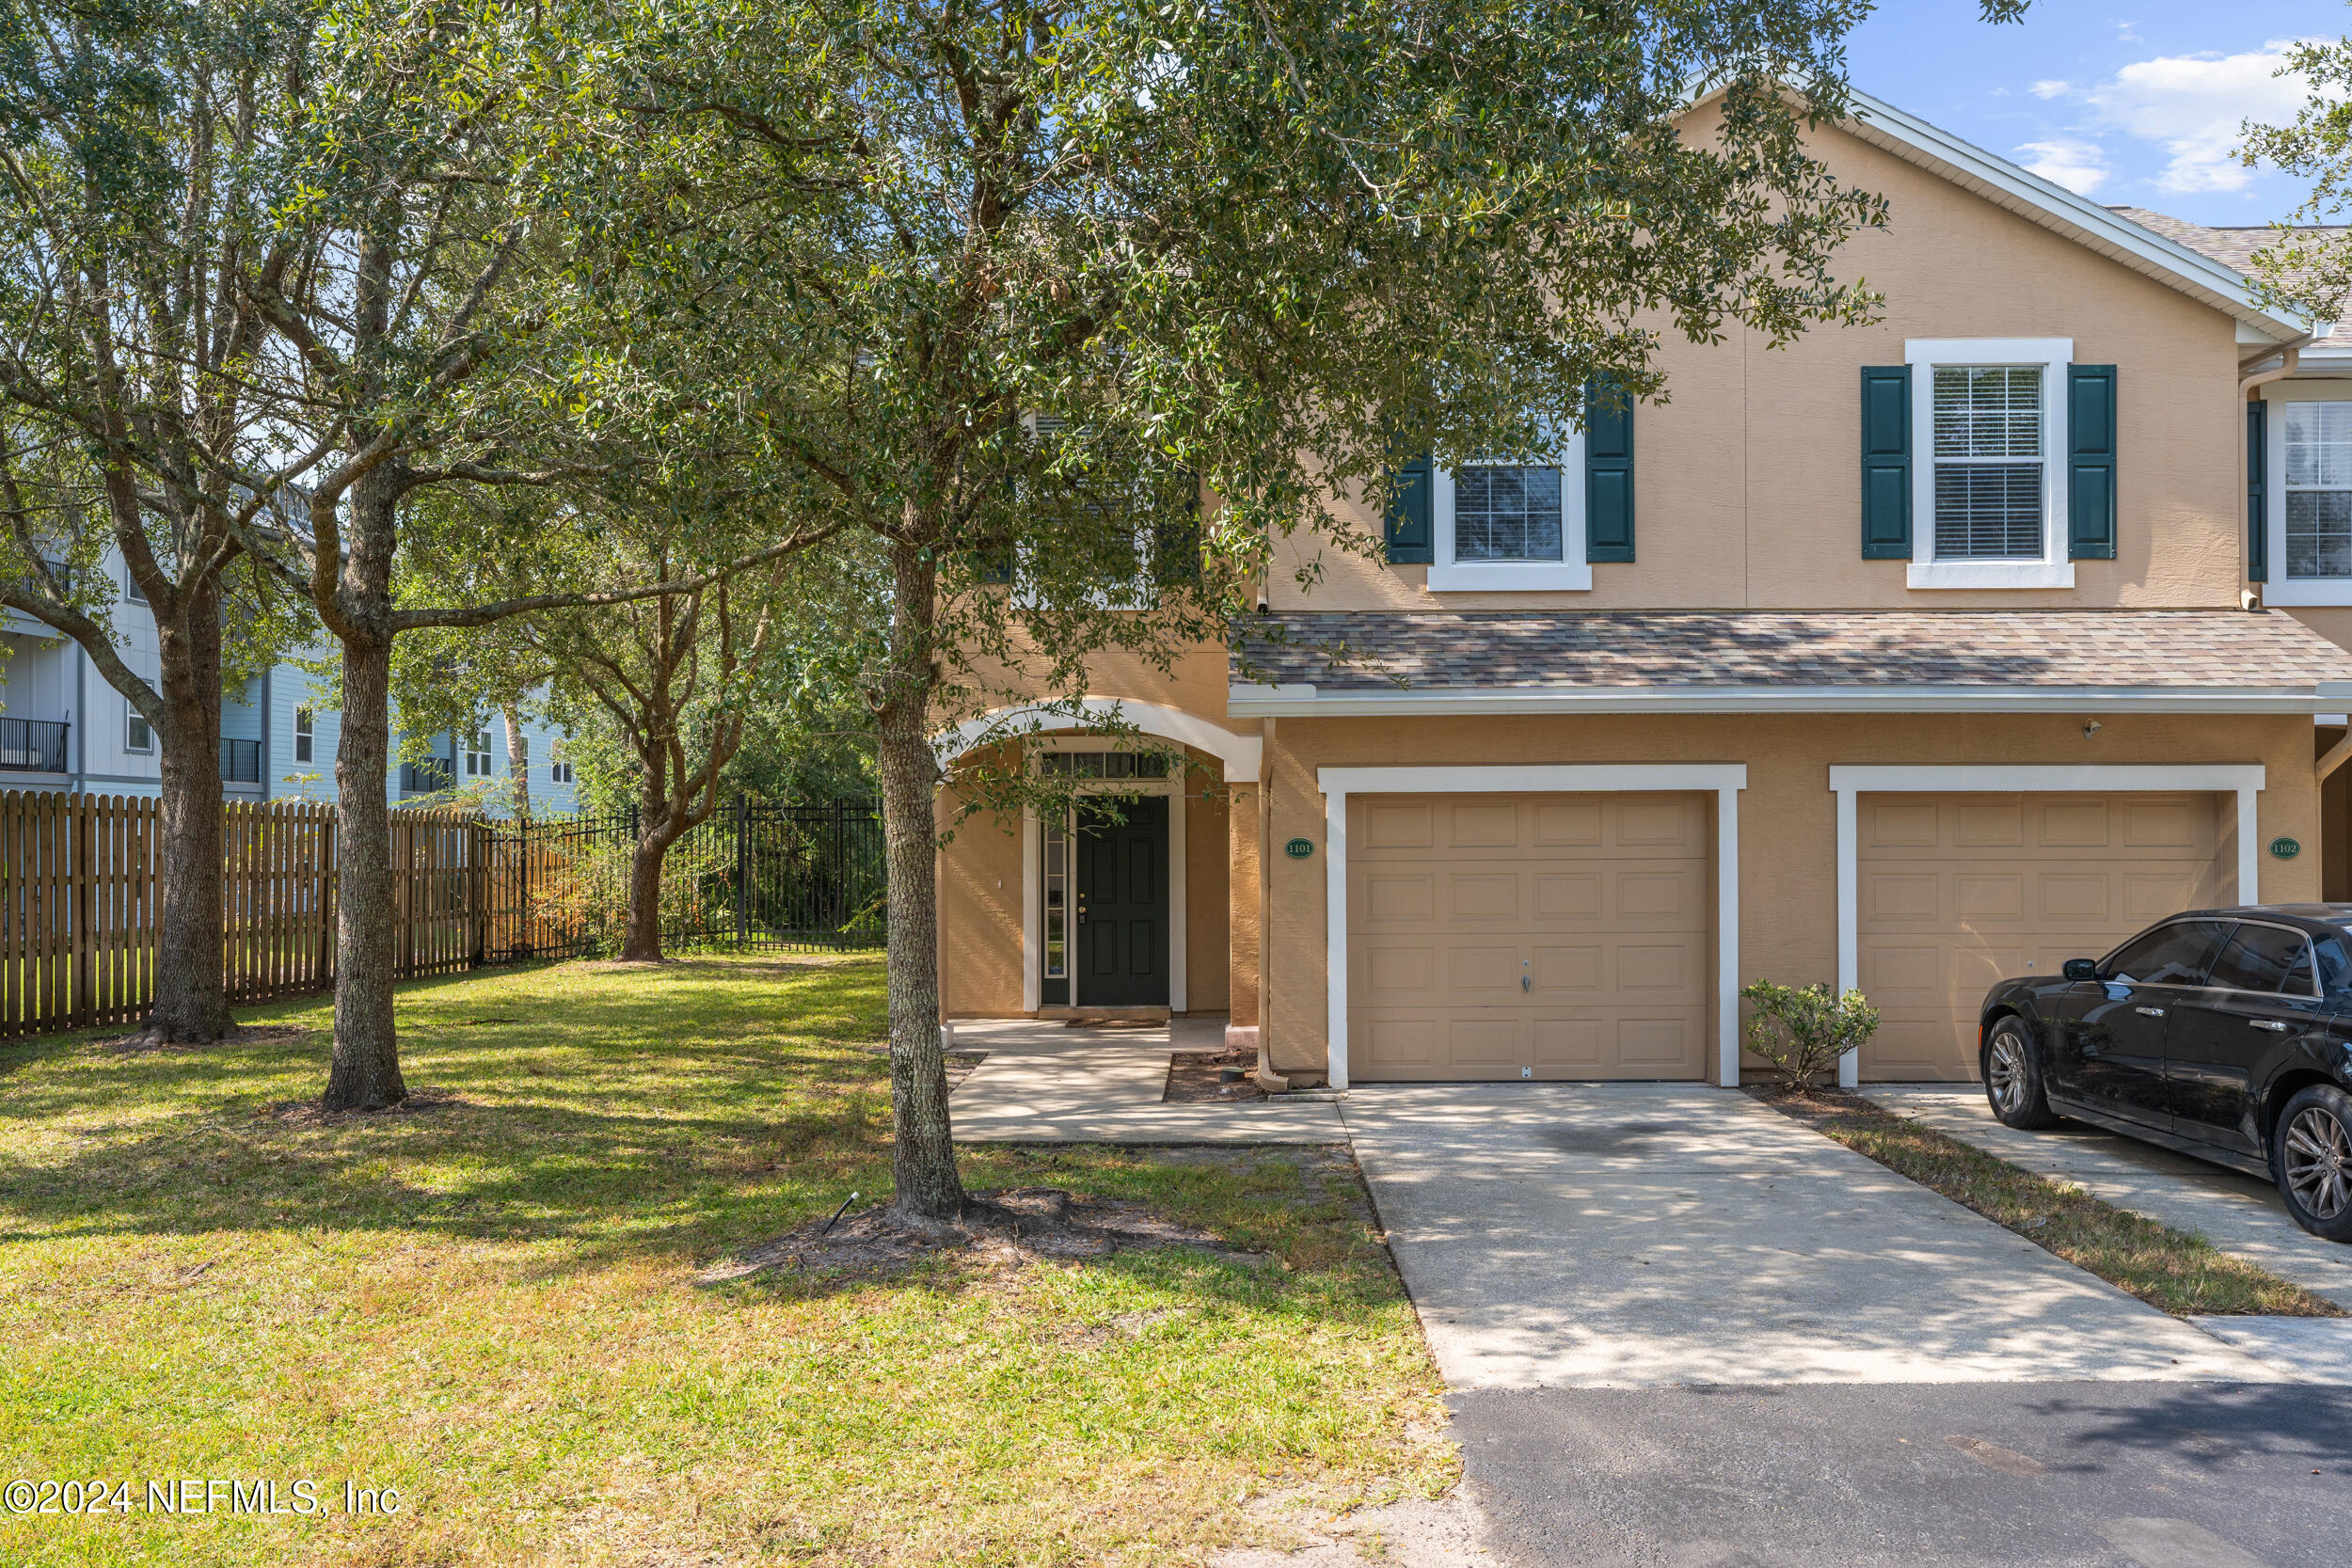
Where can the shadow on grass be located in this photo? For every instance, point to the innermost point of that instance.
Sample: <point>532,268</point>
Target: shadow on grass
<point>675,1114</point>
<point>678,1109</point>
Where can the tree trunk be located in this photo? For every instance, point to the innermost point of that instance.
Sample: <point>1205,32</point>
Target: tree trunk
<point>641,937</point>
<point>366,1072</point>
<point>518,764</point>
<point>923,1160</point>
<point>191,1004</point>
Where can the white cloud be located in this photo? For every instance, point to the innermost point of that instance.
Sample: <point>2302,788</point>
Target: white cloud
<point>2051,88</point>
<point>2081,167</point>
<point>2192,107</point>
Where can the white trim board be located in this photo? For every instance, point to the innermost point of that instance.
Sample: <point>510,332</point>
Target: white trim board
<point>2243,780</point>
<point>1725,780</point>
<point>2051,356</point>
<point>1302,700</point>
<point>1029,722</point>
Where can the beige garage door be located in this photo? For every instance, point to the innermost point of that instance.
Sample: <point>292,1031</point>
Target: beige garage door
<point>1543,936</point>
<point>1957,891</point>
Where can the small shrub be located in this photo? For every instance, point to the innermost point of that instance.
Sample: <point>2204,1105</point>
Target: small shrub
<point>1802,1030</point>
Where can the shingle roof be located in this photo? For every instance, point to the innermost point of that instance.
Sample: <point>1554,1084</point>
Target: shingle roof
<point>1504,650</point>
<point>2234,247</point>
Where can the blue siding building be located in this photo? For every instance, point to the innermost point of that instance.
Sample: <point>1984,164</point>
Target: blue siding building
<point>63,727</point>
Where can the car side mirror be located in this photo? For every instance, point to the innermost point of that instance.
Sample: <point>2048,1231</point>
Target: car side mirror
<point>2082,969</point>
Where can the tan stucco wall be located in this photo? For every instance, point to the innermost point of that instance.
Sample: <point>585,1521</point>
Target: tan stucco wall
<point>1242,905</point>
<point>1748,479</point>
<point>1196,683</point>
<point>1787,820</point>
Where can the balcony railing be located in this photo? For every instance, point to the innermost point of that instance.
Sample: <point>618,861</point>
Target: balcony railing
<point>240,761</point>
<point>32,746</point>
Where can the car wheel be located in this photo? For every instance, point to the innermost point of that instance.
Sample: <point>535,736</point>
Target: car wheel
<point>2012,1077</point>
<point>2314,1160</point>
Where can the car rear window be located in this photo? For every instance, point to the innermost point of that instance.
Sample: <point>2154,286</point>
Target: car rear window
<point>2263,958</point>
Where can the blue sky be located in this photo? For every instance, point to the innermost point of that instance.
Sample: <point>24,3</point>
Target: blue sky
<point>2133,103</point>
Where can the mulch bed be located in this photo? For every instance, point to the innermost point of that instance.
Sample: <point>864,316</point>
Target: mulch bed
<point>1198,1075</point>
<point>1004,1230</point>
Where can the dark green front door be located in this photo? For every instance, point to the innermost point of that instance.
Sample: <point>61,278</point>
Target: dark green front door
<point>1123,906</point>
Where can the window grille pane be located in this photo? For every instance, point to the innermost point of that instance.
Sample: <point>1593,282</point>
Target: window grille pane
<point>2319,534</point>
<point>1056,879</point>
<point>1988,411</point>
<point>1987,511</point>
<point>2319,444</point>
<point>1507,513</point>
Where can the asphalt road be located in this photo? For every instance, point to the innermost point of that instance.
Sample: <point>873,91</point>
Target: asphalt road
<point>2088,1474</point>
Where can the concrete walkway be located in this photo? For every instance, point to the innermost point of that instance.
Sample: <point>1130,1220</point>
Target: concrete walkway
<point>2240,1214</point>
<point>1596,1236</point>
<point>1048,1083</point>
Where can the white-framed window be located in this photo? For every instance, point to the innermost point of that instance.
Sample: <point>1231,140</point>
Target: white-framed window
<point>1988,440</point>
<point>305,734</point>
<point>478,754</point>
<point>131,589</point>
<point>2308,492</point>
<point>1510,527</point>
<point>559,765</point>
<point>137,736</point>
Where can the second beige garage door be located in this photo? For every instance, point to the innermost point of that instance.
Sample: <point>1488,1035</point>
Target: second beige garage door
<point>1958,891</point>
<point>1542,936</point>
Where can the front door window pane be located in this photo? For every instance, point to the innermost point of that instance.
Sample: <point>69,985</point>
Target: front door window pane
<point>1507,513</point>
<point>1987,462</point>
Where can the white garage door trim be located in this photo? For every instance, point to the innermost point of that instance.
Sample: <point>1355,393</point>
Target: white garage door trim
<point>2244,779</point>
<point>1724,779</point>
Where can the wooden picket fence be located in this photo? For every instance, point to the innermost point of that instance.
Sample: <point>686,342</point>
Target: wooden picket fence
<point>79,901</point>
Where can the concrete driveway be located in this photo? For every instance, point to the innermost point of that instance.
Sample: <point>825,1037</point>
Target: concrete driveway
<point>1598,1236</point>
<point>1678,1328</point>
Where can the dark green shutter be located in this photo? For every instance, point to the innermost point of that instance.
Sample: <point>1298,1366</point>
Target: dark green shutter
<point>1886,462</point>
<point>1407,526</point>
<point>2091,425</point>
<point>1608,474</point>
<point>2257,491</point>
<point>1176,539</point>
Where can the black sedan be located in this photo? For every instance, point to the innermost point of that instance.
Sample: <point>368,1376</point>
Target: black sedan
<point>2226,1034</point>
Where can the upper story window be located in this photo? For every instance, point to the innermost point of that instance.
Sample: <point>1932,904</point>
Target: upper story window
<point>305,734</point>
<point>2319,490</point>
<point>130,588</point>
<point>559,765</point>
<point>1989,420</point>
<point>478,754</point>
<point>1507,513</point>
<point>1989,461</point>
<point>137,736</point>
<point>2299,484</point>
<point>1504,526</point>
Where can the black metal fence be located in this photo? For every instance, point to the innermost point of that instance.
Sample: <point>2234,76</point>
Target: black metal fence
<point>758,875</point>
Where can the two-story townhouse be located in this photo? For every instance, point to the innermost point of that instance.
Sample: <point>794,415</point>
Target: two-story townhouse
<point>1904,657</point>
<point>62,727</point>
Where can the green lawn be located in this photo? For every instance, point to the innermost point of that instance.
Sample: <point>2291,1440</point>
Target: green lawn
<point>492,1306</point>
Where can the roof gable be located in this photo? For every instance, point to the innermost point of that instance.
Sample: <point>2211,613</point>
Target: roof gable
<point>2052,206</point>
